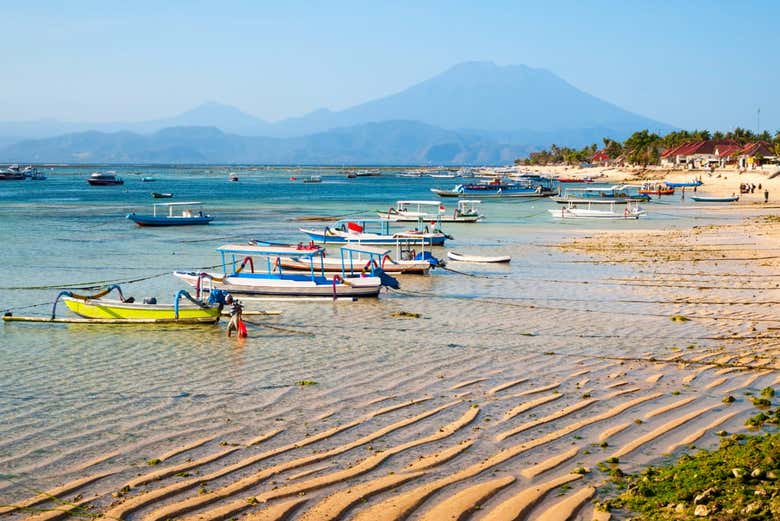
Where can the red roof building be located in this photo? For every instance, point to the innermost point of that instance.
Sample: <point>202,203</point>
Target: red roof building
<point>600,157</point>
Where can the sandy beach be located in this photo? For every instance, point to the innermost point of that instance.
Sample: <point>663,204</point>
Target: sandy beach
<point>631,366</point>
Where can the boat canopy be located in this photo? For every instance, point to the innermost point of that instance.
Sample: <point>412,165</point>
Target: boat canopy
<point>268,251</point>
<point>608,189</point>
<point>429,203</point>
<point>357,248</point>
<point>190,203</point>
<point>468,201</point>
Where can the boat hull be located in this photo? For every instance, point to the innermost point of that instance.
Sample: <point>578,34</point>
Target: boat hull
<point>452,255</point>
<point>334,266</point>
<point>567,213</point>
<point>600,200</point>
<point>701,199</point>
<point>288,285</point>
<point>399,217</point>
<point>115,309</point>
<point>102,182</point>
<point>150,220</point>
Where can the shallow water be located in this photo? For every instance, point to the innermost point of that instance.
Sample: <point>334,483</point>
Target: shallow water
<point>73,394</point>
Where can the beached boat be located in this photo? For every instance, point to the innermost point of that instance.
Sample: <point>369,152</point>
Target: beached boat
<point>407,261</point>
<point>107,179</point>
<point>573,211</point>
<point>412,211</point>
<point>95,309</point>
<point>620,194</point>
<point>695,182</point>
<point>462,257</point>
<point>162,195</point>
<point>348,231</point>
<point>706,199</point>
<point>191,214</point>
<point>274,281</point>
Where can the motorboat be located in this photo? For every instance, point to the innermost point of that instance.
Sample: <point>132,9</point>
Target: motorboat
<point>162,195</point>
<point>12,173</point>
<point>274,280</point>
<point>574,211</point>
<point>191,214</point>
<point>107,179</point>
<point>313,179</point>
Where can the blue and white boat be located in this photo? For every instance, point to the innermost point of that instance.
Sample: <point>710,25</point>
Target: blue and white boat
<point>191,214</point>
<point>694,183</point>
<point>274,280</point>
<point>526,186</point>
<point>620,194</point>
<point>377,231</point>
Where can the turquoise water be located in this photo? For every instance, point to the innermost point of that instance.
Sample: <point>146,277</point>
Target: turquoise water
<point>71,394</point>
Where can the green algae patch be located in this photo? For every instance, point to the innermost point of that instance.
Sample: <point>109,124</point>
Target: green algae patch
<point>738,481</point>
<point>680,318</point>
<point>304,383</point>
<point>405,314</point>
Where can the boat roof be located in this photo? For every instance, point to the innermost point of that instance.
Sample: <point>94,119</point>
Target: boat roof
<point>365,249</point>
<point>468,201</point>
<point>272,250</point>
<point>185,203</point>
<point>609,189</point>
<point>431,203</point>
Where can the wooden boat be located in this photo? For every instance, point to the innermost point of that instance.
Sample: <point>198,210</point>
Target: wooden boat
<point>187,217</point>
<point>706,199</point>
<point>695,182</point>
<point>572,211</point>
<point>275,282</point>
<point>107,179</point>
<point>656,189</point>
<point>620,194</point>
<point>162,195</point>
<point>355,231</point>
<point>407,261</point>
<point>412,211</point>
<point>95,309</point>
<point>461,257</point>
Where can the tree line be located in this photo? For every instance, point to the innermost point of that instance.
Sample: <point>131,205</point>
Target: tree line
<point>645,147</point>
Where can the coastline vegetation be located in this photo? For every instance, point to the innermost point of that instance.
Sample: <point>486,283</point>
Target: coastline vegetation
<point>644,147</point>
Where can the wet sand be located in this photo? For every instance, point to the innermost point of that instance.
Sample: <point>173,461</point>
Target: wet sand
<point>470,430</point>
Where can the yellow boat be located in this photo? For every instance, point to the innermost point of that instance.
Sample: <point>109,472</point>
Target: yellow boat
<point>139,312</point>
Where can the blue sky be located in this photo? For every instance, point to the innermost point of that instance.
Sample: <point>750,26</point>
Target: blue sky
<point>696,64</point>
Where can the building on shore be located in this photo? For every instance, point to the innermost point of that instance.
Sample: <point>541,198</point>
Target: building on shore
<point>717,154</point>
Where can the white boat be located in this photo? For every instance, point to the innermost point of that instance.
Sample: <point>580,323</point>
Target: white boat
<point>376,232</point>
<point>460,257</point>
<point>407,260</point>
<point>313,179</point>
<point>273,281</point>
<point>413,211</point>
<point>572,211</point>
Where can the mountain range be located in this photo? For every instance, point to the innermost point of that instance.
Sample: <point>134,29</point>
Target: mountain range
<point>472,113</point>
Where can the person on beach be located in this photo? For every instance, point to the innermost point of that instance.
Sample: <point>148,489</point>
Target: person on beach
<point>766,195</point>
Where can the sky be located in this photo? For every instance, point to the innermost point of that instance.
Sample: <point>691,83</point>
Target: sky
<point>693,64</point>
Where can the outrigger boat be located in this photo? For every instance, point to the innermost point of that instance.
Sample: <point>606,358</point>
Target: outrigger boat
<point>695,182</point>
<point>656,189</point>
<point>407,260</point>
<point>462,257</point>
<point>96,309</point>
<point>187,217</point>
<point>412,211</point>
<point>527,186</point>
<point>706,199</point>
<point>620,194</point>
<point>354,231</point>
<point>573,212</point>
<point>275,282</point>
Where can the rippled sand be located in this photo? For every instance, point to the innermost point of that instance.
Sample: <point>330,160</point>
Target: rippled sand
<point>514,383</point>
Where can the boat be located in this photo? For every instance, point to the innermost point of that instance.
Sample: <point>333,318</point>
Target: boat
<point>233,176</point>
<point>187,217</point>
<point>35,175</point>
<point>12,173</point>
<point>460,257</point>
<point>107,179</point>
<point>98,310</point>
<point>162,195</point>
<point>572,211</point>
<point>694,183</point>
<point>275,281</point>
<point>443,176</point>
<point>574,180</point>
<point>657,189</point>
<point>412,211</point>
<point>406,261</point>
<point>706,199</point>
<point>313,179</point>
<point>528,186</point>
<point>356,231</point>
<point>615,194</point>
<point>148,179</point>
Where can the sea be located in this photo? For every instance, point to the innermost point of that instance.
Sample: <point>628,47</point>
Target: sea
<point>78,399</point>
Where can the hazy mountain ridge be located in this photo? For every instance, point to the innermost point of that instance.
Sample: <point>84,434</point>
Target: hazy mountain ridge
<point>474,112</point>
